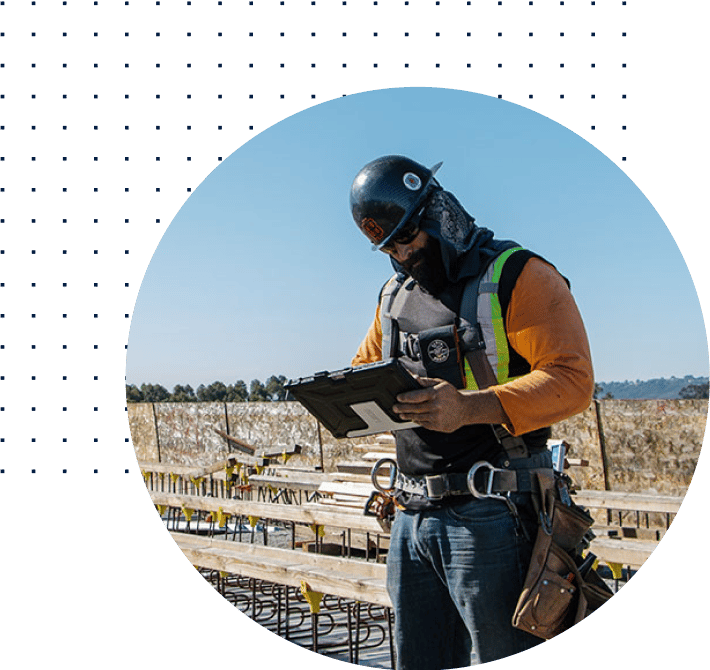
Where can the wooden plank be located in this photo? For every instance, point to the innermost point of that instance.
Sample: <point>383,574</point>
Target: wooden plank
<point>260,552</point>
<point>168,468</point>
<point>278,451</point>
<point>376,455</point>
<point>351,488</point>
<point>193,470</point>
<point>634,502</point>
<point>339,504</point>
<point>347,578</point>
<point>220,467</point>
<point>625,552</point>
<point>238,444</point>
<point>348,477</point>
<point>290,483</point>
<point>631,532</point>
<point>359,467</point>
<point>308,513</point>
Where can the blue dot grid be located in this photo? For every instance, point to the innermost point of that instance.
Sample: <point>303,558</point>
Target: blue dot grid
<point>111,114</point>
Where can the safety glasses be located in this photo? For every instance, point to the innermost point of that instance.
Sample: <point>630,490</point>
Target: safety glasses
<point>406,234</point>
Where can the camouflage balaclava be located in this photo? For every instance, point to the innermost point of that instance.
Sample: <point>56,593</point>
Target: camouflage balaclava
<point>465,248</point>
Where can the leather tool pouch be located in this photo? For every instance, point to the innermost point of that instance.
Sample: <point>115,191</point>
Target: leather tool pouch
<point>441,355</point>
<point>555,594</point>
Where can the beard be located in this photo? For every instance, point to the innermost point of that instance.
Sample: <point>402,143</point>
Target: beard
<point>427,267</point>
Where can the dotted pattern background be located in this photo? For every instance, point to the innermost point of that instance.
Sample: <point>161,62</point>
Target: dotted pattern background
<point>111,113</point>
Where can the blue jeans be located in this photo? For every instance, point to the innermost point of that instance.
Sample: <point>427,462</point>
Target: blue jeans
<point>454,576</point>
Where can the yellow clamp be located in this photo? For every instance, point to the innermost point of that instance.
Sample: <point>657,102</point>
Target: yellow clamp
<point>259,469</point>
<point>173,477</point>
<point>229,471</point>
<point>617,569</point>
<point>313,598</point>
<point>221,517</point>
<point>197,481</point>
<point>223,574</point>
<point>146,475</point>
<point>187,512</point>
<point>272,488</point>
<point>161,509</point>
<point>253,520</point>
<point>318,530</point>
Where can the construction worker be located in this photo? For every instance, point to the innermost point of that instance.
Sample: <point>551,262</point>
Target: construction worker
<point>493,333</point>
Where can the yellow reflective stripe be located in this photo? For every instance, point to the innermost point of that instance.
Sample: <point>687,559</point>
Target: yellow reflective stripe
<point>501,339</point>
<point>470,381</point>
<point>500,261</point>
<point>500,336</point>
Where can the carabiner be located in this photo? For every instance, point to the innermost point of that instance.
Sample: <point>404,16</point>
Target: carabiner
<point>393,475</point>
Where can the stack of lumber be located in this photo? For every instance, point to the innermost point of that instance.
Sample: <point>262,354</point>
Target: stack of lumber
<point>350,486</point>
<point>357,580</point>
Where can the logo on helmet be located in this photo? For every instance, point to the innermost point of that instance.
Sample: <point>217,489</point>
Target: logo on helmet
<point>372,229</point>
<point>412,182</point>
<point>438,351</point>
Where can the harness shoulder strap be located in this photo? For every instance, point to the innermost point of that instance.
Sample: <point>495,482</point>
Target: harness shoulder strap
<point>475,353</point>
<point>390,328</point>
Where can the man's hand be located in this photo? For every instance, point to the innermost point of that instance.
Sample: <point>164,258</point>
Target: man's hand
<point>443,408</point>
<point>438,406</point>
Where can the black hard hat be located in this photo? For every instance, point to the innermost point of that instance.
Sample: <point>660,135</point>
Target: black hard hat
<point>385,194</point>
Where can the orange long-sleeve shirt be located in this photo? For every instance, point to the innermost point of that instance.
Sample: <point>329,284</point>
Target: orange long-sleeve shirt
<point>544,326</point>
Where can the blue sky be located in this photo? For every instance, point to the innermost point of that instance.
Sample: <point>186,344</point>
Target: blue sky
<point>263,271</point>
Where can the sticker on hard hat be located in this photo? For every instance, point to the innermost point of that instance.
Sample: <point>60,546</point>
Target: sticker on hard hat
<point>371,228</point>
<point>438,351</point>
<point>412,182</point>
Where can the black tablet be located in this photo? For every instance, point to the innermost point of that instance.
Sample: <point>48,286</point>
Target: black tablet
<point>355,402</point>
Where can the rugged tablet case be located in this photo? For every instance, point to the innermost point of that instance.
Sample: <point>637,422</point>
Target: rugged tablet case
<point>355,402</point>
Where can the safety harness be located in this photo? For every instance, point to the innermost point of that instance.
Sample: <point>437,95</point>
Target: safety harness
<point>471,353</point>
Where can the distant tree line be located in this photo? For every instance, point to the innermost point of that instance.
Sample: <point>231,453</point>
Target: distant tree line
<point>272,390</point>
<point>688,387</point>
<point>695,392</point>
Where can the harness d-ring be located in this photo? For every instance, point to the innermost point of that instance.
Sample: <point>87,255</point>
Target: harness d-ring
<point>488,493</point>
<point>393,474</point>
<point>470,481</point>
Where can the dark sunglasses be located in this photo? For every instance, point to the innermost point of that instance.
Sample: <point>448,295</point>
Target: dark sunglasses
<point>406,234</point>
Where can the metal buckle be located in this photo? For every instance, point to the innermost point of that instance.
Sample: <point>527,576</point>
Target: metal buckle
<point>436,486</point>
<point>393,474</point>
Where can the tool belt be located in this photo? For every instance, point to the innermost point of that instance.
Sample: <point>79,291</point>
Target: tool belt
<point>482,480</point>
<point>561,587</point>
